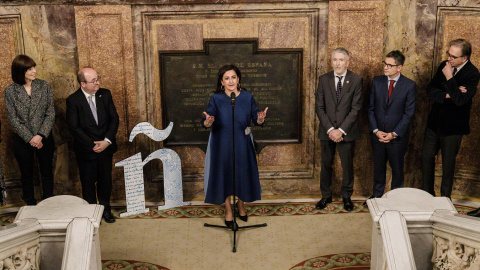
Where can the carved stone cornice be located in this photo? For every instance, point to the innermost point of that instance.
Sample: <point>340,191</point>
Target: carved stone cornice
<point>146,2</point>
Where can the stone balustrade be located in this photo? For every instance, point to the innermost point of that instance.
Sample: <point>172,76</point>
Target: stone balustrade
<point>20,245</point>
<point>403,226</point>
<point>59,233</point>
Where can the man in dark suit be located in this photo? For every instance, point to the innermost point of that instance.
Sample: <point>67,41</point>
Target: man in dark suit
<point>390,110</point>
<point>451,90</point>
<point>338,100</point>
<point>93,121</point>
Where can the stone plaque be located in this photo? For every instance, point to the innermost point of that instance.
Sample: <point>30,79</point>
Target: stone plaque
<point>272,76</point>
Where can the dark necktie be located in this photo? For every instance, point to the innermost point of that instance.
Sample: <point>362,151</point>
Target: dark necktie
<point>390,88</point>
<point>454,71</point>
<point>339,86</point>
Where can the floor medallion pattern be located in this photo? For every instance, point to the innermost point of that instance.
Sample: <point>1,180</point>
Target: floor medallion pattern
<point>342,261</point>
<point>130,265</point>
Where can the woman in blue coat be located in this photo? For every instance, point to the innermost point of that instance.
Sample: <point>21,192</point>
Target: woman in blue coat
<point>219,160</point>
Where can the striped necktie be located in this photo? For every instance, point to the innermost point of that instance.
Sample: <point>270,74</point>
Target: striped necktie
<point>339,86</point>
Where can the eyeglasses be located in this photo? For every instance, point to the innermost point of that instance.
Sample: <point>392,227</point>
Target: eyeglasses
<point>94,81</point>
<point>452,56</point>
<point>388,65</point>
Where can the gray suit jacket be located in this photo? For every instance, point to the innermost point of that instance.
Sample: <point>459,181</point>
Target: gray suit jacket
<point>342,114</point>
<point>30,116</point>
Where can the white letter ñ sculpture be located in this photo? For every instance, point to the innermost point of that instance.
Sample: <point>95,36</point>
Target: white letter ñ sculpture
<point>133,170</point>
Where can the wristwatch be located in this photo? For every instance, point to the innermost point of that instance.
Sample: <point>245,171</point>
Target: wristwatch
<point>394,135</point>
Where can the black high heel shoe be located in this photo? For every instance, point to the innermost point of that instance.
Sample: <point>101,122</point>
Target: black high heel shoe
<point>242,218</point>
<point>229,223</point>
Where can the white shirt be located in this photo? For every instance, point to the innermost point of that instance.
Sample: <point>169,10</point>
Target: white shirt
<point>394,79</point>
<point>336,83</point>
<point>95,104</point>
<point>458,68</point>
<point>87,95</point>
<point>336,78</point>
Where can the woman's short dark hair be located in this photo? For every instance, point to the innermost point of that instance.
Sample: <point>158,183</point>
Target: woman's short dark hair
<point>222,71</point>
<point>20,65</point>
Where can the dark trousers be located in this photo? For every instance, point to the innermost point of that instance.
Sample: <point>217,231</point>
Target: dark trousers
<point>449,145</point>
<point>96,179</point>
<point>24,154</point>
<point>345,151</point>
<point>394,153</point>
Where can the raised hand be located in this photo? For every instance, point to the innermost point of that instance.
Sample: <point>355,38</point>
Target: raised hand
<point>261,116</point>
<point>448,71</point>
<point>208,120</point>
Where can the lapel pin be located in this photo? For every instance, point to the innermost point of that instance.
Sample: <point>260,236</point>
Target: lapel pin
<point>348,81</point>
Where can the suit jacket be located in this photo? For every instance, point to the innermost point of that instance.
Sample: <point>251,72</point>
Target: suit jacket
<point>83,127</point>
<point>451,116</point>
<point>394,114</point>
<point>30,115</point>
<point>342,114</point>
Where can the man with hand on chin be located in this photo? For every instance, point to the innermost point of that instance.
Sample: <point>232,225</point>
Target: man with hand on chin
<point>451,90</point>
<point>390,110</point>
<point>93,121</point>
<point>337,102</point>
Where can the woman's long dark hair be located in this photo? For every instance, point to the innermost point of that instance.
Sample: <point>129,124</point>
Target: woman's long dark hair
<point>221,72</point>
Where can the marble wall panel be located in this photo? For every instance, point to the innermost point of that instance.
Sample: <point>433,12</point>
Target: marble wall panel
<point>11,40</point>
<point>231,28</point>
<point>104,35</point>
<point>286,34</point>
<point>359,26</point>
<point>179,36</point>
<point>49,38</point>
<point>410,29</point>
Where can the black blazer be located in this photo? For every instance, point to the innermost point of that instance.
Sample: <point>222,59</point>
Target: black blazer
<point>83,127</point>
<point>451,116</point>
<point>342,114</point>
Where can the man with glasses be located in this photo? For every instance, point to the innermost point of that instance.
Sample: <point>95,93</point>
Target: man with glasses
<point>337,102</point>
<point>451,90</point>
<point>93,121</point>
<point>390,110</point>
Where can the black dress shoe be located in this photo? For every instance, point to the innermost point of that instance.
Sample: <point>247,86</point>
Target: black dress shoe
<point>474,213</point>
<point>323,203</point>
<point>371,197</point>
<point>108,217</point>
<point>242,218</point>
<point>347,204</point>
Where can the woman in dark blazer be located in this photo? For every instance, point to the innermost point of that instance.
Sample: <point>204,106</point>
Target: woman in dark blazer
<point>30,109</point>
